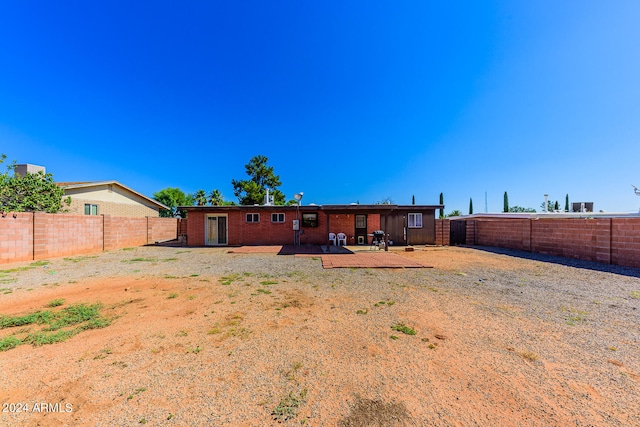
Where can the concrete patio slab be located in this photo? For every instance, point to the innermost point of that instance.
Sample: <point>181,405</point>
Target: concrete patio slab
<point>369,260</point>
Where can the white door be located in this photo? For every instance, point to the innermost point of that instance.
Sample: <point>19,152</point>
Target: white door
<point>216,230</point>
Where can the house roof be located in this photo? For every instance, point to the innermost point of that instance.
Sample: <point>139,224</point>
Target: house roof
<point>382,209</point>
<point>91,184</point>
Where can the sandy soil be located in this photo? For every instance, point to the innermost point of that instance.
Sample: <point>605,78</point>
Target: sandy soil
<point>205,337</point>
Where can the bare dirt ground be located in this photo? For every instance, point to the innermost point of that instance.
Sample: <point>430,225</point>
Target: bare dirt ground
<point>203,337</point>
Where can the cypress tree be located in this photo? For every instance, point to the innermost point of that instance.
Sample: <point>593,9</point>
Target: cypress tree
<point>566,203</point>
<point>470,206</point>
<point>413,199</point>
<point>506,202</point>
<point>442,203</point>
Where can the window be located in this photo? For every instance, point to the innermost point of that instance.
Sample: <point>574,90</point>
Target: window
<point>90,209</point>
<point>415,220</point>
<point>309,219</point>
<point>253,217</point>
<point>277,217</point>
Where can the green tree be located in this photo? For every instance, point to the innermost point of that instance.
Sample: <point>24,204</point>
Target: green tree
<point>442,203</point>
<point>455,213</point>
<point>172,198</point>
<point>413,199</point>
<point>386,201</point>
<point>566,203</point>
<point>200,198</point>
<point>31,192</point>
<point>470,206</point>
<point>506,202</point>
<point>215,198</point>
<point>261,177</point>
<point>517,209</point>
<point>551,206</point>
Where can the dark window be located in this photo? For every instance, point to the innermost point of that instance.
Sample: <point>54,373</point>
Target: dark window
<point>90,209</point>
<point>309,219</point>
<point>253,217</point>
<point>277,217</point>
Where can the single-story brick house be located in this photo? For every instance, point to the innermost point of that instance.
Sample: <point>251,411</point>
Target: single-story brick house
<point>109,198</point>
<point>274,225</point>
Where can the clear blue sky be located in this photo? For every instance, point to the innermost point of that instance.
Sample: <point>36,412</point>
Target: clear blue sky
<point>350,101</point>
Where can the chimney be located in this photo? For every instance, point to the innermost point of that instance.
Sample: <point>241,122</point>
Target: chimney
<point>27,168</point>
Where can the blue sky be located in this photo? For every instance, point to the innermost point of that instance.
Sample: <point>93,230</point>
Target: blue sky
<point>350,101</point>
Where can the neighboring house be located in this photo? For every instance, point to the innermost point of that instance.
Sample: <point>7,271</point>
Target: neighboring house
<point>109,198</point>
<point>274,225</point>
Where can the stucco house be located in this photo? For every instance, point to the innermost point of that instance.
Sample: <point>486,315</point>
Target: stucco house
<point>109,198</point>
<point>275,225</point>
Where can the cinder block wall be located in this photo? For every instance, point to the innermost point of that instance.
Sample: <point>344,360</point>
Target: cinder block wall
<point>34,236</point>
<point>443,232</point>
<point>63,235</point>
<point>16,237</point>
<point>607,240</point>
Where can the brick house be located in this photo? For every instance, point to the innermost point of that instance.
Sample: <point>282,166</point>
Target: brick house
<point>109,198</point>
<point>274,225</point>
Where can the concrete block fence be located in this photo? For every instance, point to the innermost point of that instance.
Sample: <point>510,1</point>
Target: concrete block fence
<point>606,240</point>
<point>33,236</point>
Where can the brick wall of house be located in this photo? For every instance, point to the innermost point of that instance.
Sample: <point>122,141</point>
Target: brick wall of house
<point>607,240</point>
<point>264,232</point>
<point>35,236</point>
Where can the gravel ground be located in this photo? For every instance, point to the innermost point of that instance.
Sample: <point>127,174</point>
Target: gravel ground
<point>503,338</point>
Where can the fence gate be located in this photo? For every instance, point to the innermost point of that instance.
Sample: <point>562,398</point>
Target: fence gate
<point>458,232</point>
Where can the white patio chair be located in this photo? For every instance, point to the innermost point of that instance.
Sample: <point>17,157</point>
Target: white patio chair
<point>332,239</point>
<point>342,238</point>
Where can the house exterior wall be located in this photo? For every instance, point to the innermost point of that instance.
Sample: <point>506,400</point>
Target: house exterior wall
<point>346,223</point>
<point>265,232</point>
<point>111,208</point>
<point>111,200</point>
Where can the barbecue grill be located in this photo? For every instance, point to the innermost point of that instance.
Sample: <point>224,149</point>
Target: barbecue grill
<point>378,239</point>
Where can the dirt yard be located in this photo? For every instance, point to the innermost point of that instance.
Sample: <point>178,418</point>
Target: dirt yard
<point>203,337</point>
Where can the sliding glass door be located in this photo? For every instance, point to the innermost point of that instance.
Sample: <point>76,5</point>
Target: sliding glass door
<point>216,230</point>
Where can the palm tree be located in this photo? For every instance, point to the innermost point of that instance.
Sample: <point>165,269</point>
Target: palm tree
<point>200,198</point>
<point>215,198</point>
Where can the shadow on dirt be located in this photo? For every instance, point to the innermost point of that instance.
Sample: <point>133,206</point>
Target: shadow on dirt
<point>577,263</point>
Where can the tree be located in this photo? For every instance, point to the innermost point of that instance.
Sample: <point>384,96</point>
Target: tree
<point>261,177</point>
<point>200,198</point>
<point>455,213</point>
<point>215,198</point>
<point>172,198</point>
<point>442,203</point>
<point>520,209</point>
<point>386,201</point>
<point>470,206</point>
<point>506,202</point>
<point>566,203</point>
<point>31,192</point>
<point>551,206</point>
<point>413,199</point>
